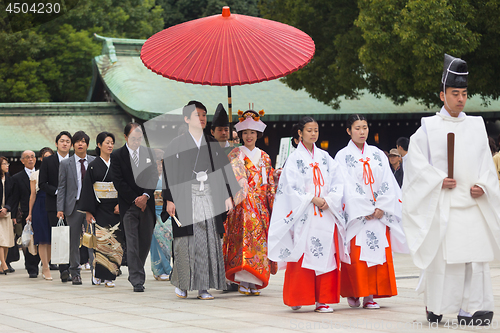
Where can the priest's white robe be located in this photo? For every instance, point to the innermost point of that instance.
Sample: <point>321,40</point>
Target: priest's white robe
<point>295,229</point>
<point>451,235</point>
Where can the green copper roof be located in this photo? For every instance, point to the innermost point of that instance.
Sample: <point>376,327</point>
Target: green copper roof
<point>144,94</point>
<point>33,126</point>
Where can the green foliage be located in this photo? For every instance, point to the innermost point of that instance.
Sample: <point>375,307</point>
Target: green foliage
<point>179,11</point>
<point>335,70</point>
<point>52,62</point>
<point>393,48</point>
<point>405,42</point>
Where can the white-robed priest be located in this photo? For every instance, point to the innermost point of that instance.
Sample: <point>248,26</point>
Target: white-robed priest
<point>453,224</point>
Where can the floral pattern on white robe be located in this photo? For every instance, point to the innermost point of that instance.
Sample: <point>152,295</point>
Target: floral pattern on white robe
<point>378,189</point>
<point>295,229</point>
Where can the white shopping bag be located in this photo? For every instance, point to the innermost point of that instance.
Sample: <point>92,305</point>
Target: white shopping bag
<point>60,243</point>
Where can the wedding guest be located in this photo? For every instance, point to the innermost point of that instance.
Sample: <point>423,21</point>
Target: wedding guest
<point>6,230</point>
<point>48,182</point>
<point>99,201</point>
<point>71,174</point>
<point>161,244</point>
<point>38,217</point>
<point>134,177</point>
<point>20,197</point>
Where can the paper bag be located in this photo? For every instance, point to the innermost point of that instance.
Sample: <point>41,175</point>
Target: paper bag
<point>60,243</point>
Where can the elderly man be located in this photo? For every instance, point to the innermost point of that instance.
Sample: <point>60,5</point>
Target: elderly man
<point>452,222</point>
<point>20,197</point>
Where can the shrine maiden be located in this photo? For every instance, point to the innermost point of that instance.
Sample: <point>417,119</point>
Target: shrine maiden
<point>307,225</point>
<point>373,220</point>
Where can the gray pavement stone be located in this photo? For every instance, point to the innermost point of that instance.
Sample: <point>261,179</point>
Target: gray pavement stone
<point>36,305</point>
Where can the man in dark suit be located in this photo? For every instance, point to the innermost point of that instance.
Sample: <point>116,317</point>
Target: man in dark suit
<point>71,174</point>
<point>48,181</point>
<point>20,196</point>
<point>135,178</point>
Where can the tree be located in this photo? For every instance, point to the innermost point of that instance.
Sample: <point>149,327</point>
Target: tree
<point>335,69</point>
<point>179,11</point>
<point>405,42</point>
<point>52,61</point>
<point>393,48</point>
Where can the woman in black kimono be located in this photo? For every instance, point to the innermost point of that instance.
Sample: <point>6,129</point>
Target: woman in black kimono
<point>99,199</point>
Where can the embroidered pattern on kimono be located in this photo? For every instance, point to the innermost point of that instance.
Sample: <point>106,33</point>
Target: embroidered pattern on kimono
<point>245,240</point>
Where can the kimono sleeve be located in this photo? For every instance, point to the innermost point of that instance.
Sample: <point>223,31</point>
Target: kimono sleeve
<point>290,204</point>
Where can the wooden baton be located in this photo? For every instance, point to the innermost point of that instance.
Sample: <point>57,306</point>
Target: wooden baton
<point>451,153</point>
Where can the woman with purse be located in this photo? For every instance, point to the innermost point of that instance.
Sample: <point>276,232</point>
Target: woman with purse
<point>6,230</point>
<point>99,201</point>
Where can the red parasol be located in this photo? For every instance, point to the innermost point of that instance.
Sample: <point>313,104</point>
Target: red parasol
<point>227,50</point>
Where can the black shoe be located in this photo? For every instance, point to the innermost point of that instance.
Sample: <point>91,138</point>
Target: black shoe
<point>53,267</point>
<point>479,318</point>
<point>433,318</point>
<point>119,272</point>
<point>139,288</point>
<point>231,287</point>
<point>3,272</point>
<point>77,280</point>
<point>64,276</point>
<point>10,270</point>
<point>33,276</point>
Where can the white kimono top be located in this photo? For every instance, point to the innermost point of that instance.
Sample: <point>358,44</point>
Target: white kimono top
<point>467,228</point>
<point>376,187</point>
<point>297,226</point>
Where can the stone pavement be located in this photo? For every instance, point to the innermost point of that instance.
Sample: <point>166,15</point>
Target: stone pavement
<point>36,305</point>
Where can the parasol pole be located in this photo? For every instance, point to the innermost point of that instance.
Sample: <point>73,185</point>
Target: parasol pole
<point>230,115</point>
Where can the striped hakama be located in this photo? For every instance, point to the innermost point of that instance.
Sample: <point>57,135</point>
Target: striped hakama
<point>198,259</point>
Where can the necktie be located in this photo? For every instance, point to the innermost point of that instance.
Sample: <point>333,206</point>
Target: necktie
<point>135,158</point>
<point>82,165</point>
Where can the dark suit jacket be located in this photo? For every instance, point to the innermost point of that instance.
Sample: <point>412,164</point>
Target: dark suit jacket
<point>128,186</point>
<point>8,191</point>
<point>21,192</point>
<point>48,180</point>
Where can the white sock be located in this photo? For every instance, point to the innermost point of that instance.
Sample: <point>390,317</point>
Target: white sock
<point>201,292</point>
<point>251,286</point>
<point>320,304</point>
<point>245,284</point>
<point>464,313</point>
<point>367,299</point>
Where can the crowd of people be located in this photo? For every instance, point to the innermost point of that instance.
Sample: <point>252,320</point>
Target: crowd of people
<point>215,214</point>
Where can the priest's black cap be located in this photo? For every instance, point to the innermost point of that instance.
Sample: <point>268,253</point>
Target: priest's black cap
<point>454,72</point>
<point>220,117</point>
